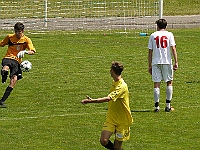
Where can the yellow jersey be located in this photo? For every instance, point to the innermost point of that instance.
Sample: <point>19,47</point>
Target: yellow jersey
<point>118,107</point>
<point>16,45</point>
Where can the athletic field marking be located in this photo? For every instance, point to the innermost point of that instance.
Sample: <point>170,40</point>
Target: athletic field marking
<point>78,114</point>
<point>190,107</point>
<point>49,116</point>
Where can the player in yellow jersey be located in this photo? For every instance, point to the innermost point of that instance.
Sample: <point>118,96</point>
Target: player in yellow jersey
<point>17,45</point>
<point>118,118</point>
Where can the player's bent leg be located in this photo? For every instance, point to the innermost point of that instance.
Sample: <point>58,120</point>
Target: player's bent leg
<point>8,90</point>
<point>104,140</point>
<point>117,145</point>
<point>13,81</point>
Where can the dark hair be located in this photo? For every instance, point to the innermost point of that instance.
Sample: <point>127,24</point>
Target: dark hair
<point>161,23</point>
<point>117,67</point>
<point>19,26</point>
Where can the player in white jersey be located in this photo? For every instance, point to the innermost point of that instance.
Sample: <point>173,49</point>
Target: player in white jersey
<point>162,47</point>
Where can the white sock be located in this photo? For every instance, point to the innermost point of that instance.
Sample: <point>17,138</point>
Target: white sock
<point>158,107</point>
<point>156,94</point>
<point>168,105</point>
<point>169,92</point>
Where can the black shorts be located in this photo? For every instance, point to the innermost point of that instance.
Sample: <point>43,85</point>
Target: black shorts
<point>14,67</point>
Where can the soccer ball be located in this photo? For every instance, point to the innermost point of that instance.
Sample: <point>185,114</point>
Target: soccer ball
<point>26,65</point>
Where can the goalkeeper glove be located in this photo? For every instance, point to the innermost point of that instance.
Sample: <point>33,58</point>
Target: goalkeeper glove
<point>22,53</point>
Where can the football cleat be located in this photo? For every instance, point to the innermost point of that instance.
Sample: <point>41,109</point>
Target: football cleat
<point>156,110</point>
<point>169,109</point>
<point>2,105</point>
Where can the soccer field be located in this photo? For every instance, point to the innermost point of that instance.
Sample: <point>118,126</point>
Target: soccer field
<point>44,110</point>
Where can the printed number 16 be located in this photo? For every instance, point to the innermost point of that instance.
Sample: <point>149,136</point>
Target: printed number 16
<point>161,41</point>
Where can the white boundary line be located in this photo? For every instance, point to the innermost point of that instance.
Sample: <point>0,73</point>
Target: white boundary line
<point>190,107</point>
<point>49,116</point>
<point>63,115</point>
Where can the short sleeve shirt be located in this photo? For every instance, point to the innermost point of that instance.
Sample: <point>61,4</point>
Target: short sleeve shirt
<point>118,107</point>
<point>160,42</point>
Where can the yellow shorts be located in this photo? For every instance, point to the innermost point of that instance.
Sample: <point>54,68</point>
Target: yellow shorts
<point>121,131</point>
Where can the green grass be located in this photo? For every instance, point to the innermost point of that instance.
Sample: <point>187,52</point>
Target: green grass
<point>181,7</point>
<point>44,110</point>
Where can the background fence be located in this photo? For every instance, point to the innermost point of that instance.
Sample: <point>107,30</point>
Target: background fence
<point>123,15</point>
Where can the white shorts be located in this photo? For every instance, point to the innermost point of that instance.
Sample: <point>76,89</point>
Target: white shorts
<point>162,72</point>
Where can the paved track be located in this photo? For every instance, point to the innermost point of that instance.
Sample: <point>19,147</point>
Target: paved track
<point>183,21</point>
<point>102,23</point>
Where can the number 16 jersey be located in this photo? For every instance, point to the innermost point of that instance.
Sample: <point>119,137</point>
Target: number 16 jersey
<point>160,42</point>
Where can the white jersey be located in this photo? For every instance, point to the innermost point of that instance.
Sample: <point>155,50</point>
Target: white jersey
<point>160,42</point>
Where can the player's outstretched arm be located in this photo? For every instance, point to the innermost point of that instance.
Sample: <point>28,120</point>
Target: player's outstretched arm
<point>22,53</point>
<point>98,100</point>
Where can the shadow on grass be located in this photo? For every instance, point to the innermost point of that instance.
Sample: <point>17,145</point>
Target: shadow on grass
<point>145,110</point>
<point>141,110</point>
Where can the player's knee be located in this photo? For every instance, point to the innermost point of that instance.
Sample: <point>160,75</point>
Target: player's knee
<point>13,78</point>
<point>104,141</point>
